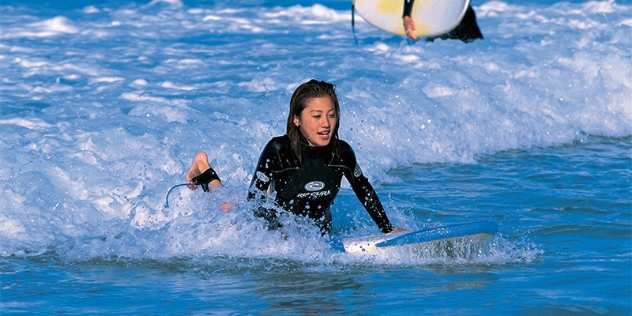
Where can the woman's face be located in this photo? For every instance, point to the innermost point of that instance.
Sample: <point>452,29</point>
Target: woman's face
<point>318,121</point>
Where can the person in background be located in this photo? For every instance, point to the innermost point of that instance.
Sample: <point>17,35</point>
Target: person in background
<point>301,171</point>
<point>466,31</point>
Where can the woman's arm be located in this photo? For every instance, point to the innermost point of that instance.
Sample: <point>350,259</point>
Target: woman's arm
<point>363,189</point>
<point>261,182</point>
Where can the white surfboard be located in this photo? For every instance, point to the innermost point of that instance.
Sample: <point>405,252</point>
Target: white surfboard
<point>432,17</point>
<point>474,230</point>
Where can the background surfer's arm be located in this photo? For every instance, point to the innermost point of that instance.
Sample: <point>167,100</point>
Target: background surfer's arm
<point>409,23</point>
<point>408,8</point>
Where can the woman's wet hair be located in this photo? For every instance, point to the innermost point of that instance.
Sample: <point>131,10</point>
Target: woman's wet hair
<point>302,95</point>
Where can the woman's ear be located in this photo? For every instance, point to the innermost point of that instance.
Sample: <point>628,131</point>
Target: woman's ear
<point>297,121</point>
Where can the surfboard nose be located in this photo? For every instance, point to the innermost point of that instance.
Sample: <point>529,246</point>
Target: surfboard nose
<point>479,229</point>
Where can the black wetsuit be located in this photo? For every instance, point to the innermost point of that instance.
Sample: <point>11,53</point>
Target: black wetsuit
<point>309,189</point>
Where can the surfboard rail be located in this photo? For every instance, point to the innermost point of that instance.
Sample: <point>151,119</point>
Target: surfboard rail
<point>371,243</point>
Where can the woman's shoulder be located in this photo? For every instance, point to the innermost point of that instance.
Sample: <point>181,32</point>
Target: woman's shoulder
<point>346,152</point>
<point>344,146</point>
<point>279,140</point>
<point>278,144</point>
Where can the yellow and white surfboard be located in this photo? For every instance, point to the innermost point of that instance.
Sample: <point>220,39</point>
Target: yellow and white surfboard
<point>432,17</point>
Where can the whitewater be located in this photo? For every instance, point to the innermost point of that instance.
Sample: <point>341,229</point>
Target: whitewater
<point>104,104</point>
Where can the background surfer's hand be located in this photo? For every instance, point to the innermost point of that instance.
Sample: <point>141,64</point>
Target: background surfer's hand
<point>410,27</point>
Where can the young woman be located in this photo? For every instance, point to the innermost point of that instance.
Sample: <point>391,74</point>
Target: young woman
<point>303,169</point>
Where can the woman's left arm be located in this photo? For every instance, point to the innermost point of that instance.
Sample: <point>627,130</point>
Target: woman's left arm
<point>363,189</point>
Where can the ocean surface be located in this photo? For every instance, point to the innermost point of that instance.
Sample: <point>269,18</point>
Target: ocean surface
<point>103,105</point>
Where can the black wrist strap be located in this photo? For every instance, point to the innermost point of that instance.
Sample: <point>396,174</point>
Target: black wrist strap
<point>204,179</point>
<point>408,7</point>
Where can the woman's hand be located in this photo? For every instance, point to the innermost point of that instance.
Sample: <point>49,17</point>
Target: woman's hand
<point>399,230</point>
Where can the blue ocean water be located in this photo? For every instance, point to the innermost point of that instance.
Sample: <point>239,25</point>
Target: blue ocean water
<point>103,104</point>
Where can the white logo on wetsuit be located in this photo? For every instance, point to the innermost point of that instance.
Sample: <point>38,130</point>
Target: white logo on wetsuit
<point>314,186</point>
<point>261,176</point>
<point>357,172</point>
<point>313,195</point>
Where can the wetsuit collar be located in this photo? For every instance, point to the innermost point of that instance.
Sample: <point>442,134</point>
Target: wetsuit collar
<point>315,152</point>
